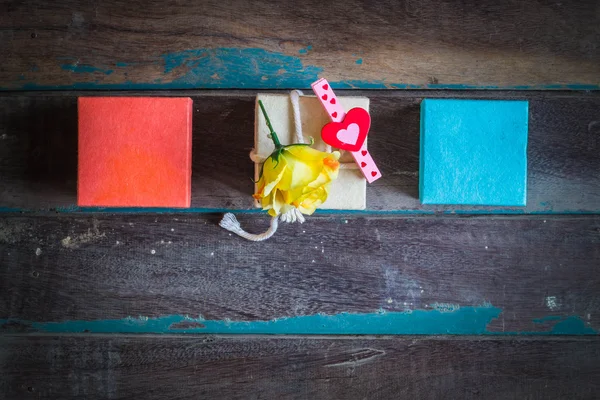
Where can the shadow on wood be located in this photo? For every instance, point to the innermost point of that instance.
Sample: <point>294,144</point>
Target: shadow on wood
<point>222,140</point>
<point>40,146</point>
<point>395,141</point>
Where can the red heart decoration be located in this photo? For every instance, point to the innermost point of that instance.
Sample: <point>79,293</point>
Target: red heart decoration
<point>363,164</point>
<point>349,134</point>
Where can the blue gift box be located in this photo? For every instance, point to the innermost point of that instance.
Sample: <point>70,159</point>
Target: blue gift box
<point>473,152</point>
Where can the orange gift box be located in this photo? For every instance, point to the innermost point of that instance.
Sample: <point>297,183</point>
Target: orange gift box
<point>134,152</point>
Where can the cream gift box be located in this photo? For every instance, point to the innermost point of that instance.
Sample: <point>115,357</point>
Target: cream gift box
<point>348,191</point>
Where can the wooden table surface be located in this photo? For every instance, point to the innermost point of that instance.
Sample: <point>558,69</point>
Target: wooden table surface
<point>398,301</point>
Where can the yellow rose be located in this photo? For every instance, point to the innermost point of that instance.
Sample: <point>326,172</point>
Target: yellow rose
<point>296,176</point>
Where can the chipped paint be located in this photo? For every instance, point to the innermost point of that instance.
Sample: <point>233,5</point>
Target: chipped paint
<point>239,68</point>
<point>305,50</point>
<point>92,234</point>
<point>86,69</point>
<point>567,325</point>
<point>233,68</point>
<point>552,303</point>
<point>446,307</point>
<point>283,82</point>
<point>462,321</point>
<point>466,320</point>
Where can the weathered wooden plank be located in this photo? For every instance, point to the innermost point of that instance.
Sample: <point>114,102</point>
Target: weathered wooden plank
<point>426,275</point>
<point>38,152</point>
<point>158,367</point>
<point>71,44</point>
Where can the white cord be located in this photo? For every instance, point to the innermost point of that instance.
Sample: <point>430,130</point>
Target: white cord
<point>295,99</point>
<point>229,220</point>
<point>231,223</point>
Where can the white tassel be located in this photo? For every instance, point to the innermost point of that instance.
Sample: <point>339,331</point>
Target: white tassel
<point>231,223</point>
<point>293,215</point>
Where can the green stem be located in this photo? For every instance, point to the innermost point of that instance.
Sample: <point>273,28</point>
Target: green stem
<point>273,134</point>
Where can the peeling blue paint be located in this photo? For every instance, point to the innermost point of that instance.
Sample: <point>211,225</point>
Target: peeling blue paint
<point>239,68</point>
<point>305,50</point>
<point>280,82</point>
<point>465,320</point>
<point>458,321</point>
<point>446,307</point>
<point>360,84</point>
<point>251,68</point>
<point>359,61</point>
<point>85,69</point>
<point>12,210</point>
<point>548,318</point>
<point>567,326</point>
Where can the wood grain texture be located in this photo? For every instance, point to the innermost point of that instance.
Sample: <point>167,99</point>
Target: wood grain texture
<point>38,151</point>
<point>99,267</point>
<point>71,44</point>
<point>146,367</point>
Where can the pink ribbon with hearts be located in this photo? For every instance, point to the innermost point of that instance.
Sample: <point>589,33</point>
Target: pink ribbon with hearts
<point>347,131</point>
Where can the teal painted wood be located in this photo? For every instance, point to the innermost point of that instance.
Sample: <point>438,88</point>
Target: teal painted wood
<point>68,44</point>
<point>165,273</point>
<point>240,68</point>
<point>444,319</point>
